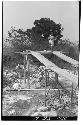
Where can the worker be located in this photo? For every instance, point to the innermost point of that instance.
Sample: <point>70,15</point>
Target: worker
<point>51,41</point>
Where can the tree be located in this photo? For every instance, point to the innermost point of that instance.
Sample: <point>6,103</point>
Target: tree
<point>46,27</point>
<point>18,39</point>
<point>35,38</point>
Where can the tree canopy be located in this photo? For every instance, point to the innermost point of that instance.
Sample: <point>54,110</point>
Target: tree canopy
<point>46,27</point>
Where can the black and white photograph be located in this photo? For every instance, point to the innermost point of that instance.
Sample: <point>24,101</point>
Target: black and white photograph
<point>40,60</point>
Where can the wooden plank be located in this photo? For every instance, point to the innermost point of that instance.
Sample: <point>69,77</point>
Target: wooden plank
<point>31,89</point>
<point>44,52</point>
<point>66,58</point>
<point>24,52</point>
<point>48,52</point>
<point>63,72</point>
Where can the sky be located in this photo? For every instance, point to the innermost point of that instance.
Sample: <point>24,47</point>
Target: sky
<point>22,14</point>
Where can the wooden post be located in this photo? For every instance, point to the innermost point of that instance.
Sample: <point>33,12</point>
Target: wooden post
<point>42,74</point>
<point>48,77</point>
<point>25,70</point>
<point>56,83</point>
<point>56,78</point>
<point>71,93</point>
<point>20,76</point>
<point>59,96</point>
<point>45,86</point>
<point>28,73</point>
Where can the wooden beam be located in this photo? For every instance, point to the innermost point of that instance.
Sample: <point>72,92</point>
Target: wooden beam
<point>44,52</point>
<point>41,52</point>
<point>23,53</point>
<point>31,89</point>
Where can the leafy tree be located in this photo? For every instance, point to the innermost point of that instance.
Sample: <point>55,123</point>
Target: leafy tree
<point>18,39</point>
<point>46,27</point>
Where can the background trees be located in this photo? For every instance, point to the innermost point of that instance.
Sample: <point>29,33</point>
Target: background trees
<point>35,39</point>
<point>37,35</point>
<point>46,27</point>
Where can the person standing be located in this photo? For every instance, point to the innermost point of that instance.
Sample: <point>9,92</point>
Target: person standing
<point>51,41</point>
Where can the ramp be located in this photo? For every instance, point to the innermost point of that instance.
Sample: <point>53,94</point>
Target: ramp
<point>66,58</point>
<point>63,72</point>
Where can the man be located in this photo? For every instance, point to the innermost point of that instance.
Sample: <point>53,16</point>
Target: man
<point>51,41</point>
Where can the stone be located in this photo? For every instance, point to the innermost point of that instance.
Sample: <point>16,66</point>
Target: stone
<point>43,108</point>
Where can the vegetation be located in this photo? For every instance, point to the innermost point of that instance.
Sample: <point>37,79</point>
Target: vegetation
<point>35,38</point>
<point>46,27</point>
